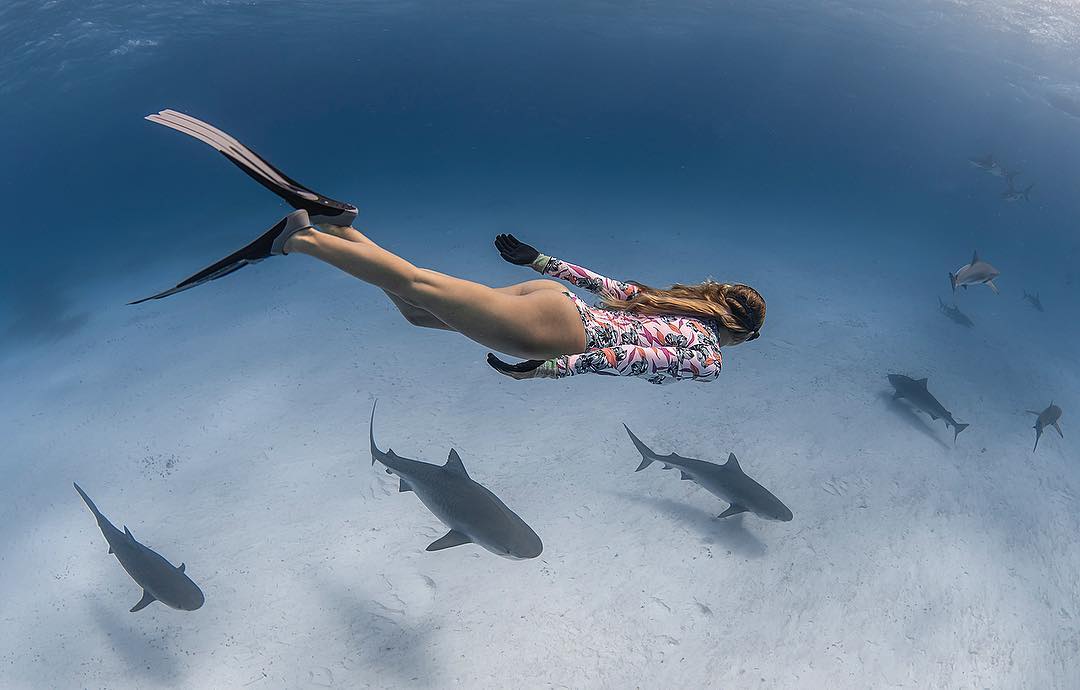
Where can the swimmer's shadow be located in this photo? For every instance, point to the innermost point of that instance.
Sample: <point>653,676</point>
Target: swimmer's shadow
<point>914,420</point>
<point>729,532</point>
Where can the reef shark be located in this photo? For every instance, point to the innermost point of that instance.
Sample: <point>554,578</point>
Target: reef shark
<point>916,393</point>
<point>1033,300</point>
<point>955,314</point>
<point>1051,416</point>
<point>727,481</point>
<point>978,272</point>
<point>160,580</point>
<point>473,514</point>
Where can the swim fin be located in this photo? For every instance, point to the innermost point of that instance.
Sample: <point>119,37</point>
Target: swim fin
<point>268,244</point>
<point>321,209</point>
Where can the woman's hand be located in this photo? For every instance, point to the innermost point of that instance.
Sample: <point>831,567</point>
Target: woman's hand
<point>515,251</point>
<point>528,369</point>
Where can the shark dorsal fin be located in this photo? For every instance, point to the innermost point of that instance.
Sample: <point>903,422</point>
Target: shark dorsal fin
<point>182,567</point>
<point>128,532</point>
<point>733,463</point>
<point>975,257</point>
<point>921,382</point>
<point>455,465</point>
<point>685,477</point>
<point>448,540</point>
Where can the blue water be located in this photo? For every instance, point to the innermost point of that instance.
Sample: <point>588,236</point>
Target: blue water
<point>818,151</point>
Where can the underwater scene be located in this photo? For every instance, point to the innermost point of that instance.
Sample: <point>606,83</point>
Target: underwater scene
<point>660,344</point>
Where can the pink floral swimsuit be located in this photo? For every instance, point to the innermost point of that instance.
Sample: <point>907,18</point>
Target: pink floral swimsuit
<point>620,343</point>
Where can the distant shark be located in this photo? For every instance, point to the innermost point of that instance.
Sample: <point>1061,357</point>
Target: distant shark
<point>955,314</point>
<point>916,393</point>
<point>1034,300</point>
<point>473,514</point>
<point>1051,416</point>
<point>978,272</point>
<point>160,580</point>
<point>1013,194</point>
<point>728,481</point>
<point>986,164</point>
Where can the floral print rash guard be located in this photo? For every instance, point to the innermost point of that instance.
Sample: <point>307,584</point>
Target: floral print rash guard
<point>660,349</point>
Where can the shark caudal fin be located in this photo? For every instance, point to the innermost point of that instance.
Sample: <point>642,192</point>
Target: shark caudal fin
<point>375,452</point>
<point>88,502</point>
<point>647,455</point>
<point>952,281</point>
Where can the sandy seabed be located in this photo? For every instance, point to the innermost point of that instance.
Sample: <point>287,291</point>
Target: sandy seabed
<point>227,427</point>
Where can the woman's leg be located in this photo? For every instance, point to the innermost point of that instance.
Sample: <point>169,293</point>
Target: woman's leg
<point>536,325</point>
<point>421,317</point>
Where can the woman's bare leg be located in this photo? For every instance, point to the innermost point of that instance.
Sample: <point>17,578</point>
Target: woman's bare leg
<point>536,325</point>
<point>421,317</point>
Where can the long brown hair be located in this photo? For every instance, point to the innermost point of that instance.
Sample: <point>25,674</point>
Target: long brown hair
<point>736,307</point>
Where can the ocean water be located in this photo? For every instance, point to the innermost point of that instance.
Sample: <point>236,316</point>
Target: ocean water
<point>818,151</point>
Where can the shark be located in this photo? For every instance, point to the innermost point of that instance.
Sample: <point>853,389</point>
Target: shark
<point>954,314</point>
<point>728,481</point>
<point>986,164</point>
<point>159,579</point>
<point>1051,416</point>
<point>473,513</point>
<point>1033,300</point>
<point>1014,194</point>
<point>916,393</point>
<point>978,272</point>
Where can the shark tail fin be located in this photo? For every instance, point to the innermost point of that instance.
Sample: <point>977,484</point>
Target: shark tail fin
<point>1038,435</point>
<point>957,428</point>
<point>647,456</point>
<point>89,504</point>
<point>952,281</point>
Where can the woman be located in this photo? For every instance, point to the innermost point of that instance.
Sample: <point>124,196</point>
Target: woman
<point>660,335</point>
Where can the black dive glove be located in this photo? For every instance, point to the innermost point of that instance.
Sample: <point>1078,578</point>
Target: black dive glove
<point>515,251</point>
<point>528,369</point>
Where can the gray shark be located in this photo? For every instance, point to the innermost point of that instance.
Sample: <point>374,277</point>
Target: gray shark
<point>728,481</point>
<point>1034,300</point>
<point>986,164</point>
<point>1013,194</point>
<point>916,393</point>
<point>473,514</point>
<point>160,580</point>
<point>955,314</point>
<point>978,272</point>
<point>1051,416</point>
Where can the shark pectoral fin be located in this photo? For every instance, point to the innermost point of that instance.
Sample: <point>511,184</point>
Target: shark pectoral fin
<point>733,464</point>
<point>1033,412</point>
<point>1057,425</point>
<point>897,395</point>
<point>686,477</point>
<point>182,567</point>
<point>403,486</point>
<point>733,509</point>
<point>454,464</point>
<point>993,287</point>
<point>449,540</point>
<point>147,599</point>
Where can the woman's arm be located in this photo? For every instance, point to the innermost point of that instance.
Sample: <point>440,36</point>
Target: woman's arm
<point>584,278</point>
<point>521,254</point>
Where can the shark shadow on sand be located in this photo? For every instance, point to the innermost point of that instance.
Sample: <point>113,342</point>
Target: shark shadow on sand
<point>381,642</point>
<point>731,532</point>
<point>908,414</point>
<point>144,656</point>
